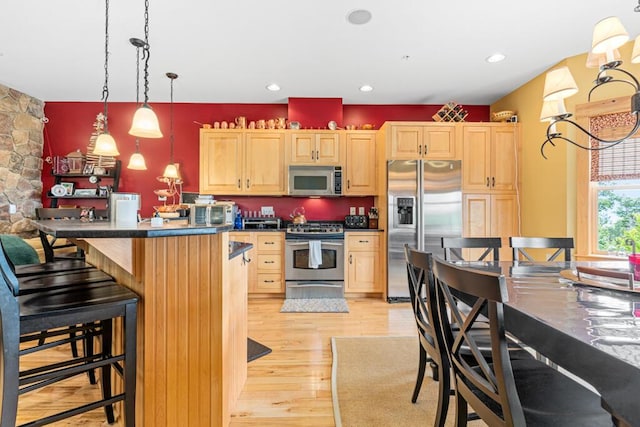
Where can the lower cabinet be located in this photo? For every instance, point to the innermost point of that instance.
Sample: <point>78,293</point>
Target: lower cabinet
<point>362,262</point>
<point>266,269</point>
<point>491,215</point>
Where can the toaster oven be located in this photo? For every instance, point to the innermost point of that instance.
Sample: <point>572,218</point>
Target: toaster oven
<point>218,213</point>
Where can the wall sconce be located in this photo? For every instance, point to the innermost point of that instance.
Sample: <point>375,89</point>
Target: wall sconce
<point>608,35</point>
<point>105,144</point>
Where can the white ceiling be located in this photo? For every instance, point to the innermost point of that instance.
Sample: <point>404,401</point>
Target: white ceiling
<point>228,51</point>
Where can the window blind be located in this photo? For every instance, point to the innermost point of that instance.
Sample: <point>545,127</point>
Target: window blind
<point>622,161</point>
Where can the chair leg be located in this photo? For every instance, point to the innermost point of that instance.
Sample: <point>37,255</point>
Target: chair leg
<point>74,345</point>
<point>461,411</point>
<point>9,368</point>
<point>130,360</point>
<point>422,366</point>
<point>444,395</point>
<point>107,338</point>
<point>87,344</point>
<point>434,371</point>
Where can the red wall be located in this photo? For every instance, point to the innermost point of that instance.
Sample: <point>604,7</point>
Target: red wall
<point>71,124</point>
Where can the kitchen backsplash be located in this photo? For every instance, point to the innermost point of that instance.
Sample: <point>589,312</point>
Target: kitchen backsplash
<point>316,209</point>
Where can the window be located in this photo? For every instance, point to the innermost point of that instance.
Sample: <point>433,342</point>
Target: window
<point>615,185</point>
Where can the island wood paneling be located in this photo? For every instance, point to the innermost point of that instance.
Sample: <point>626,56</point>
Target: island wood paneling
<point>191,326</point>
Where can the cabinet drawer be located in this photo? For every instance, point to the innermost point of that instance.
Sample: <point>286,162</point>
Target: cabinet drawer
<point>363,242</point>
<point>270,262</point>
<point>269,283</point>
<point>270,242</point>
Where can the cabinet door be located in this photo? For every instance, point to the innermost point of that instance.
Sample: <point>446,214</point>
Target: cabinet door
<point>504,221</point>
<point>439,141</point>
<point>476,214</point>
<point>303,148</point>
<point>405,142</point>
<point>221,162</point>
<point>476,158</point>
<point>362,262</point>
<point>503,158</point>
<point>360,169</point>
<point>248,237</point>
<point>328,148</point>
<point>264,163</point>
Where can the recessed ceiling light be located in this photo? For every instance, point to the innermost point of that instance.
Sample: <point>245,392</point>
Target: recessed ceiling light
<point>273,87</point>
<point>496,57</point>
<point>366,88</point>
<point>359,16</point>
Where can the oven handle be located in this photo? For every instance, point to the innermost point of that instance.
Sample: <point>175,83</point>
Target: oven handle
<point>324,242</point>
<point>313,284</point>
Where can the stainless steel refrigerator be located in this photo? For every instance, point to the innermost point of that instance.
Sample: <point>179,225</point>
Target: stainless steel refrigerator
<point>424,199</point>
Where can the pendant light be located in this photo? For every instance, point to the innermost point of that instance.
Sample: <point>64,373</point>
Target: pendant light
<point>171,171</point>
<point>136,162</point>
<point>145,122</point>
<point>105,144</point>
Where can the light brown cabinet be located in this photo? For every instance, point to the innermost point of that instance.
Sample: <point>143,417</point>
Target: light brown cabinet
<point>409,141</point>
<point>362,262</point>
<point>266,274</point>
<point>490,157</point>
<point>311,148</point>
<point>241,162</point>
<point>360,168</point>
<point>491,215</point>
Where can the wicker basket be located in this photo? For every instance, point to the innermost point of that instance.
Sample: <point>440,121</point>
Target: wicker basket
<point>502,116</point>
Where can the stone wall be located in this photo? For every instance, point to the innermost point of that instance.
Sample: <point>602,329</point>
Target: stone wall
<point>21,144</point>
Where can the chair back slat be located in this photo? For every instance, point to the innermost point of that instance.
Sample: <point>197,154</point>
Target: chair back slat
<point>8,271</point>
<point>484,380</point>
<point>562,246</point>
<point>453,247</point>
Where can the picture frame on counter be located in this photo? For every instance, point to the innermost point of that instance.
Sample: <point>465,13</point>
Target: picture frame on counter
<point>85,192</point>
<point>69,187</point>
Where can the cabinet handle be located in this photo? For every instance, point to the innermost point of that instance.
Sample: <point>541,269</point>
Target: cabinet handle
<point>269,262</point>
<point>350,259</point>
<point>363,241</point>
<point>248,183</point>
<point>317,154</point>
<point>487,182</point>
<point>269,243</point>
<point>348,184</point>
<point>239,184</point>
<point>493,181</point>
<point>425,149</point>
<point>269,281</point>
<point>420,150</point>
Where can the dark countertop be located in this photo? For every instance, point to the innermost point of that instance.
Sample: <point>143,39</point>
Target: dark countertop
<point>360,230</point>
<point>106,229</point>
<point>238,248</point>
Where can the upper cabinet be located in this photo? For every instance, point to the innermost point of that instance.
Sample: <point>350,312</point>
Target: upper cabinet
<point>412,140</point>
<point>311,148</point>
<point>242,162</point>
<point>360,166</point>
<point>490,157</point>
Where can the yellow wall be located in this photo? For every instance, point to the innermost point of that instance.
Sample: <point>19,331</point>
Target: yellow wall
<point>548,193</point>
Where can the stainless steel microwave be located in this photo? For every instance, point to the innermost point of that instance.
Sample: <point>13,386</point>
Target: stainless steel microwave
<point>219,213</point>
<point>315,180</point>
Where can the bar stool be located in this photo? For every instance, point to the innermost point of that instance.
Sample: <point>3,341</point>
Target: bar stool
<point>25,317</point>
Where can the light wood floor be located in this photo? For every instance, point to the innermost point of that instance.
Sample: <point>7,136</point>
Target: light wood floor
<point>289,387</point>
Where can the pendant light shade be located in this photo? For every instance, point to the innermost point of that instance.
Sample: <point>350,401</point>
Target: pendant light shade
<point>171,171</point>
<point>136,162</point>
<point>105,146</point>
<point>145,123</point>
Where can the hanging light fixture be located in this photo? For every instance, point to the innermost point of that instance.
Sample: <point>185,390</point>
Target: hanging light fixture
<point>136,162</point>
<point>105,144</point>
<point>145,122</point>
<point>608,35</point>
<point>171,171</point>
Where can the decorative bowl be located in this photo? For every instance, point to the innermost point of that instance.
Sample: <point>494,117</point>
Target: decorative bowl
<point>502,116</point>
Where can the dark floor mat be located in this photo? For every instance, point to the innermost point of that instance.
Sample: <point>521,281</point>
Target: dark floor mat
<point>256,350</point>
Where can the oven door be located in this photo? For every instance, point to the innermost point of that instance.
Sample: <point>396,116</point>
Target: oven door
<point>297,261</point>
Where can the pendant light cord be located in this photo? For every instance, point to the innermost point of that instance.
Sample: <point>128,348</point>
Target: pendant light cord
<point>171,122</point>
<point>146,52</point>
<point>105,88</point>
<point>137,90</point>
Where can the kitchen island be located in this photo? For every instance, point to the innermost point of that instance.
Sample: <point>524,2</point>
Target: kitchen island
<point>192,314</point>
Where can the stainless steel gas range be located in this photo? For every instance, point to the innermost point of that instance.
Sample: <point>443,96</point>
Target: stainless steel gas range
<point>314,260</point>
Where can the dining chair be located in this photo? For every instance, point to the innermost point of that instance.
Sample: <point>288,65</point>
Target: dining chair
<point>25,317</point>
<point>502,390</point>
<point>562,245</point>
<point>54,250</point>
<point>453,247</point>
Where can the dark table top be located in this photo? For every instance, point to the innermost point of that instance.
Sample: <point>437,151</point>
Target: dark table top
<point>591,332</point>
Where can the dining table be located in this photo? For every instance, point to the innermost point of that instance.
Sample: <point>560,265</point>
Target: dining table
<point>588,327</point>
